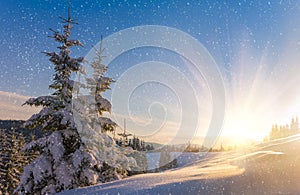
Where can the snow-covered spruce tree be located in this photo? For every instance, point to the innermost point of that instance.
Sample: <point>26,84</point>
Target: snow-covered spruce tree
<point>102,84</point>
<point>32,154</point>
<point>90,109</point>
<point>97,85</point>
<point>165,159</point>
<point>64,161</point>
<point>124,158</point>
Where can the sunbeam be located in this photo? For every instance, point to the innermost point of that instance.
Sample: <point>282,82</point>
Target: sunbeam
<point>261,91</point>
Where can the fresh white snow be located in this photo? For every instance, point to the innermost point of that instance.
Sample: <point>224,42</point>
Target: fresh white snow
<point>269,168</point>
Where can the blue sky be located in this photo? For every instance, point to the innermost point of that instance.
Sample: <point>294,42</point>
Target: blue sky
<point>254,43</point>
<point>221,26</point>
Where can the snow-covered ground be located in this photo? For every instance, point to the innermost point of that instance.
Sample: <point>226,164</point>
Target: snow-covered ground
<point>183,159</point>
<point>269,168</point>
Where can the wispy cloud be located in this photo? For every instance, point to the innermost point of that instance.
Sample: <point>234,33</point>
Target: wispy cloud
<point>11,107</point>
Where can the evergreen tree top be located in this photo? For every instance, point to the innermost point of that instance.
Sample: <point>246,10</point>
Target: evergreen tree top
<point>57,111</point>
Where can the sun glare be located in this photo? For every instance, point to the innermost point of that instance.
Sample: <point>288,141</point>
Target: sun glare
<point>261,91</point>
<point>245,127</point>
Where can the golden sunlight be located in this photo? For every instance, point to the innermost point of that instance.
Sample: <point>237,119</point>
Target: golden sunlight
<point>244,126</point>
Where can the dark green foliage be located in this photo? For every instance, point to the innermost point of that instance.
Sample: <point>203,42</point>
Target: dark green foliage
<point>135,143</point>
<point>109,173</point>
<point>149,147</point>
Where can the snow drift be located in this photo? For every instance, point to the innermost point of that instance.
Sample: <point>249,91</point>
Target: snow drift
<point>268,168</point>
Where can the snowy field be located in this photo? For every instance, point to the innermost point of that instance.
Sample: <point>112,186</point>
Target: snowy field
<point>269,168</point>
<point>182,158</point>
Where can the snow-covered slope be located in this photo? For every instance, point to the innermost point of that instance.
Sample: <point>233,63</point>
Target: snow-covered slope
<point>269,168</point>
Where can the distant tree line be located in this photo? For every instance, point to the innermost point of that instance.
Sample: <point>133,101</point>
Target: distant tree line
<point>189,147</point>
<point>135,143</point>
<point>285,130</point>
